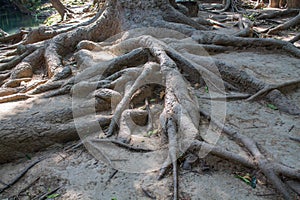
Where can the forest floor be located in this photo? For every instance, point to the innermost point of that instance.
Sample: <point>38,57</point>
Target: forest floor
<point>80,176</point>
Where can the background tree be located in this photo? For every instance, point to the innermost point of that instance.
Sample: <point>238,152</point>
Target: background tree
<point>63,11</point>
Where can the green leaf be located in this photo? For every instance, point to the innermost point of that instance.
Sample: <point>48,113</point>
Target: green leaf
<point>155,131</point>
<point>272,106</point>
<point>246,180</point>
<point>206,89</point>
<point>150,133</point>
<point>52,196</point>
<point>114,198</point>
<point>152,100</point>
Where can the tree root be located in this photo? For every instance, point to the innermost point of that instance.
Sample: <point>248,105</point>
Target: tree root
<point>246,27</point>
<point>270,169</point>
<point>173,146</point>
<point>269,88</point>
<point>15,38</point>
<point>15,180</point>
<point>252,85</point>
<point>124,145</point>
<point>136,62</point>
<point>147,71</point>
<point>50,85</point>
<point>289,24</point>
<point>45,196</point>
<point>15,61</point>
<point>226,40</point>
<point>14,97</point>
<point>295,39</point>
<point>278,14</point>
<point>170,127</point>
<point>231,5</point>
<point>228,97</point>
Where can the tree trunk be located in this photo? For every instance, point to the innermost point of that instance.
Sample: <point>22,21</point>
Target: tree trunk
<point>22,8</point>
<point>123,53</point>
<point>293,3</point>
<point>274,4</point>
<point>63,11</point>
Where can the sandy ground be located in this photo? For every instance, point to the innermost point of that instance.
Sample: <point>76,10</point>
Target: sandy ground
<point>80,176</point>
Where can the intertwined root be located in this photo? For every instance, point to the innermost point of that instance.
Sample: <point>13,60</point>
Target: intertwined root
<point>123,73</point>
<point>179,120</point>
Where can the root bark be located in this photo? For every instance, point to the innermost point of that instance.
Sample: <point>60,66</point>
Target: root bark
<point>118,75</point>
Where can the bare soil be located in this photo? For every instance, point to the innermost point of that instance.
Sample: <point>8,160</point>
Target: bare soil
<point>83,177</point>
<point>80,176</point>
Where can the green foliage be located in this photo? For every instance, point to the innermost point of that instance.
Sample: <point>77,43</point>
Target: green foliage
<point>251,17</point>
<point>52,20</point>
<point>31,5</point>
<point>150,133</point>
<point>273,107</point>
<point>252,181</point>
<point>206,89</point>
<point>52,196</point>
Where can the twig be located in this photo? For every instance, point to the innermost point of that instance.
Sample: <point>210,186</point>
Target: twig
<point>73,146</point>
<point>292,127</point>
<point>111,176</point>
<point>147,193</point>
<point>49,193</point>
<point>131,148</point>
<point>227,97</point>
<point>272,87</point>
<point>297,139</point>
<point>264,195</point>
<point>28,186</point>
<point>21,175</point>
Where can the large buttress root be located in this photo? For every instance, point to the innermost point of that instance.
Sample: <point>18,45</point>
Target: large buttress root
<point>179,112</point>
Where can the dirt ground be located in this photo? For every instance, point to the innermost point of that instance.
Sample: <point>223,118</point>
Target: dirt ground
<point>76,174</point>
<point>80,176</point>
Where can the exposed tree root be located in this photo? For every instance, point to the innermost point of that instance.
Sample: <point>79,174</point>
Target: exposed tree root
<point>118,75</point>
<point>283,13</point>
<point>45,196</point>
<point>295,39</point>
<point>289,24</point>
<point>20,175</point>
<point>270,169</point>
<point>231,5</point>
<point>273,87</point>
<point>13,97</point>
<point>15,61</point>
<point>17,37</point>
<point>124,145</point>
<point>226,40</point>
